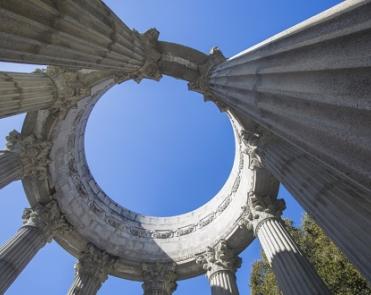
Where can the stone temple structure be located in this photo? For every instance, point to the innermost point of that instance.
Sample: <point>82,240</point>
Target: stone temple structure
<point>300,106</point>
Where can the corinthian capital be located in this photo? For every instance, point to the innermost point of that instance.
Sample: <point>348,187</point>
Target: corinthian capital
<point>70,84</point>
<point>261,208</point>
<point>201,85</point>
<point>159,276</point>
<point>150,69</point>
<point>33,153</point>
<point>47,218</point>
<point>220,258</point>
<point>94,263</point>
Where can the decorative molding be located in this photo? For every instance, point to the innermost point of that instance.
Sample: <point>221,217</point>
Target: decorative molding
<point>159,276</point>
<point>251,141</point>
<point>219,258</point>
<point>33,153</point>
<point>117,220</point>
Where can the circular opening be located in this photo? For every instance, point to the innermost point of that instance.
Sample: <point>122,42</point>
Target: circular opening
<point>158,149</point>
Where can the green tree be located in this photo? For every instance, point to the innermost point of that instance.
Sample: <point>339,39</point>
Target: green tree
<point>331,265</point>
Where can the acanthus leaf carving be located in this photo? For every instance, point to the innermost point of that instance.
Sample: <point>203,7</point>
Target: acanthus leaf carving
<point>159,277</point>
<point>201,85</point>
<point>95,263</point>
<point>48,218</point>
<point>219,258</point>
<point>33,153</point>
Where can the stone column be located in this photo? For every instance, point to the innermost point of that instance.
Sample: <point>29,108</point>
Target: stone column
<point>221,264</point>
<point>84,34</point>
<point>340,207</point>
<point>25,156</point>
<point>159,278</point>
<point>92,270</point>
<point>10,168</point>
<point>38,228</point>
<point>21,93</point>
<point>310,85</point>
<point>295,275</point>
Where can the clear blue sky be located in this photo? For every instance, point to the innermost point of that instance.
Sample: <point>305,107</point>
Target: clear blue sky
<point>155,147</point>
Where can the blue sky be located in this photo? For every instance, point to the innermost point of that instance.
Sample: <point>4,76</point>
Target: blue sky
<point>155,147</point>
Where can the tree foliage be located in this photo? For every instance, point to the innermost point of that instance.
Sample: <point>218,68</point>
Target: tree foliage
<point>331,265</point>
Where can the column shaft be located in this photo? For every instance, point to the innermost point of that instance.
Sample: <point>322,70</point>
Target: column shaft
<point>311,86</point>
<point>21,93</point>
<point>223,283</point>
<point>341,208</point>
<point>11,168</point>
<point>295,275</point>
<point>17,253</point>
<point>80,33</point>
<point>84,285</point>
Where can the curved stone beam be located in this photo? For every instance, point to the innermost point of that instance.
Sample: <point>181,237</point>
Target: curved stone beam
<point>80,33</point>
<point>310,85</point>
<point>180,61</point>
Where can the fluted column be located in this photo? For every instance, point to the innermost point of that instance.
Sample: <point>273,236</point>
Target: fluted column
<point>38,228</point>
<point>10,168</point>
<point>340,207</point>
<point>159,278</point>
<point>295,275</point>
<point>91,271</point>
<point>25,92</point>
<point>85,34</point>
<point>221,264</point>
<point>310,85</point>
<point>25,156</point>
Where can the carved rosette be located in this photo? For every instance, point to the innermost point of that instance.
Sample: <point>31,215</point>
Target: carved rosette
<point>94,264</point>
<point>159,278</point>
<point>201,84</point>
<point>33,153</point>
<point>48,218</point>
<point>220,258</point>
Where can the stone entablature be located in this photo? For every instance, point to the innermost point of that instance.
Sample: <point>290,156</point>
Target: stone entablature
<point>120,232</point>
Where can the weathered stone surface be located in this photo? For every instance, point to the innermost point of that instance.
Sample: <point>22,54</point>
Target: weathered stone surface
<point>40,225</point>
<point>295,275</point>
<point>92,270</point>
<point>159,279</point>
<point>221,264</point>
<point>310,85</point>
<point>327,196</point>
<point>82,33</point>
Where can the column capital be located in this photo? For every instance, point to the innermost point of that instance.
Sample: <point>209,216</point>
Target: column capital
<point>94,263</point>
<point>48,218</point>
<point>159,276</point>
<point>252,141</point>
<point>150,69</point>
<point>33,153</point>
<point>70,86</point>
<point>261,208</point>
<point>219,258</point>
<point>201,85</point>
